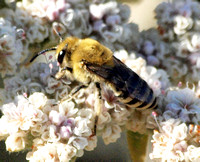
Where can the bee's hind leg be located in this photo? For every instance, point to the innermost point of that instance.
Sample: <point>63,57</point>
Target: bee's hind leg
<point>98,105</point>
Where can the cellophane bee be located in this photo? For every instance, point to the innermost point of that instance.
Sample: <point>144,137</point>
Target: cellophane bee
<point>86,60</point>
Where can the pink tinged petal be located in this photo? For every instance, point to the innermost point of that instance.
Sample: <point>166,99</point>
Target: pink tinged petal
<point>181,146</point>
<point>52,13</point>
<point>51,66</point>
<point>195,59</point>
<point>70,122</point>
<point>180,84</point>
<point>65,132</point>
<point>61,5</point>
<point>56,117</point>
<point>50,57</point>
<point>25,95</point>
<point>157,84</point>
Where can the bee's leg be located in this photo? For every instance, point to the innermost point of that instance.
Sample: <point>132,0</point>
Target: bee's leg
<point>97,106</point>
<point>77,89</point>
<point>62,72</point>
<point>68,69</point>
<point>52,76</point>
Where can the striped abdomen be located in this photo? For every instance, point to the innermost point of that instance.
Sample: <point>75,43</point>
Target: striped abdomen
<point>131,89</point>
<point>137,94</point>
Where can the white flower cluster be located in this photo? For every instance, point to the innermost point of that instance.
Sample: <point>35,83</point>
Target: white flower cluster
<point>181,15</point>
<point>179,24</point>
<point>152,48</point>
<point>45,8</point>
<point>11,47</point>
<point>176,142</point>
<point>18,30</point>
<point>65,132</point>
<point>32,22</point>
<point>102,20</point>
<point>109,21</point>
<point>37,78</point>
<point>178,127</point>
<point>55,127</point>
<point>53,132</point>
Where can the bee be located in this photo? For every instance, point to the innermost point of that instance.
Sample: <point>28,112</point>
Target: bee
<point>86,60</point>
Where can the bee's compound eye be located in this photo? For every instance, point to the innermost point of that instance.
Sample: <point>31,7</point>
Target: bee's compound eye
<point>61,56</point>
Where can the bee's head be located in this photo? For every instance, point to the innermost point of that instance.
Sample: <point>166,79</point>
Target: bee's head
<point>62,53</point>
<point>65,49</point>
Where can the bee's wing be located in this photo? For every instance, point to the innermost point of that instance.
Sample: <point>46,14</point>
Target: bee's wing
<point>123,78</point>
<point>112,74</point>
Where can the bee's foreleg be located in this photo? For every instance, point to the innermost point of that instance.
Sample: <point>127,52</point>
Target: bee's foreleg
<point>66,71</point>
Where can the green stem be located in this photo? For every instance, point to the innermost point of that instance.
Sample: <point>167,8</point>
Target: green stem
<point>138,146</point>
<point>1,82</point>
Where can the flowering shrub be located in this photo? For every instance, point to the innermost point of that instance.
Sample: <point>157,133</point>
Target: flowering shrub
<point>39,116</point>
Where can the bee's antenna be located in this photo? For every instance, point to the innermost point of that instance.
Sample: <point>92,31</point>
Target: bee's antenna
<point>40,53</point>
<point>58,33</point>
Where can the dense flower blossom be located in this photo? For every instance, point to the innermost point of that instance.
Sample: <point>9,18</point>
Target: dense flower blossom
<point>40,115</point>
<point>34,29</point>
<point>50,9</point>
<point>178,23</point>
<point>177,128</point>
<point>174,142</point>
<point>18,30</point>
<point>9,42</point>
<point>153,48</point>
<point>49,124</point>
<point>38,78</point>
